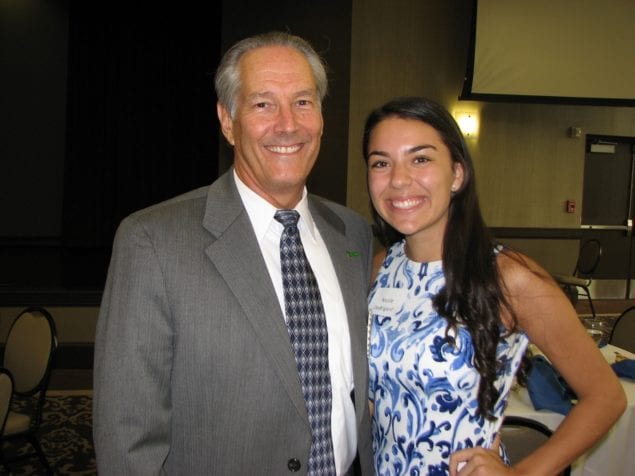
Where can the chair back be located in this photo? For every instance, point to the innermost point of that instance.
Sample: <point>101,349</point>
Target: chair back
<point>521,436</point>
<point>623,333</point>
<point>588,259</point>
<point>6,395</point>
<point>29,350</point>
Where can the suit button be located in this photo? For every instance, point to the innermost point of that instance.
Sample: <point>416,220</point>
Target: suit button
<point>294,465</point>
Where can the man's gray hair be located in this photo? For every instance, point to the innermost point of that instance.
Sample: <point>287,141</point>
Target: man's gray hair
<point>228,82</point>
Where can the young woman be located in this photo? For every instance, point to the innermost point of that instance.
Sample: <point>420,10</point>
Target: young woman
<point>452,314</point>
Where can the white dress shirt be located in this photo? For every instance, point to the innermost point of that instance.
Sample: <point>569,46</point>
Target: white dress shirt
<point>268,232</point>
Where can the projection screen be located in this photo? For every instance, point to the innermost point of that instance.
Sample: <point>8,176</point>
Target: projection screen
<point>568,51</point>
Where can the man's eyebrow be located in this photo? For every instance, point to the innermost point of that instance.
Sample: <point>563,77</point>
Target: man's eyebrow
<point>307,92</point>
<point>259,94</point>
<point>267,94</point>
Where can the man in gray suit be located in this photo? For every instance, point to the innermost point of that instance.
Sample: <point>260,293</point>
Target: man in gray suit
<point>194,371</point>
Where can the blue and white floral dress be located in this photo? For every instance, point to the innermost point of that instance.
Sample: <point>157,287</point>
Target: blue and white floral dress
<point>424,389</point>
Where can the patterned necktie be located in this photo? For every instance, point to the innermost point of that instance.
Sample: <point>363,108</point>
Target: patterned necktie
<point>309,338</point>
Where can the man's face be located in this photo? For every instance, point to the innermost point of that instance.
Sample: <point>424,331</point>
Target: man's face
<point>278,124</point>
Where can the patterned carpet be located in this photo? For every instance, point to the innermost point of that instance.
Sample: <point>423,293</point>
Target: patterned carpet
<point>65,436</point>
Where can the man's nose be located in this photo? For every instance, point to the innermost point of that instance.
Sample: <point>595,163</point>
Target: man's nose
<point>286,120</point>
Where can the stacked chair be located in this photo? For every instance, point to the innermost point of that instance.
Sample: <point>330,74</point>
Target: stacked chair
<point>579,282</point>
<point>6,396</point>
<point>26,369</point>
<point>521,436</point>
<point>623,333</point>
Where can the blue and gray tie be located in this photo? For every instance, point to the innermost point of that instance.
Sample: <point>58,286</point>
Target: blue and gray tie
<point>306,324</point>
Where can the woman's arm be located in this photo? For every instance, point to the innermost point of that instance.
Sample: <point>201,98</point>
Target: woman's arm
<point>551,322</point>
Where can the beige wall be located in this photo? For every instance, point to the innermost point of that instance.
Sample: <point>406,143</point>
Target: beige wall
<point>403,47</point>
<point>74,324</point>
<point>525,155</point>
<point>526,165</point>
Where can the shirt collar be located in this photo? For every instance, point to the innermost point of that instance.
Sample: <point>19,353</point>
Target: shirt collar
<point>261,212</point>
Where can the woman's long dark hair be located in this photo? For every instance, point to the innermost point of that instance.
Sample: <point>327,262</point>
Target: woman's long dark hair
<point>473,294</point>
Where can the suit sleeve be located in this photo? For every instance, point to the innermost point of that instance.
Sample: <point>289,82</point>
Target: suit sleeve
<point>133,355</point>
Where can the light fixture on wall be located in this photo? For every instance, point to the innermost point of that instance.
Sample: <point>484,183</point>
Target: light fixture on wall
<point>468,123</point>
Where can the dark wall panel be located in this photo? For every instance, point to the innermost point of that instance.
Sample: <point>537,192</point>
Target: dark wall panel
<point>133,123</point>
<point>137,124</point>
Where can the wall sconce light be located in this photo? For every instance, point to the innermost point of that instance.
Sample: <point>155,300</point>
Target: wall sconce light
<point>468,123</point>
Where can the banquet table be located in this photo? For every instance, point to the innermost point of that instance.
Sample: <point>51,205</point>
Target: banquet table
<point>614,454</point>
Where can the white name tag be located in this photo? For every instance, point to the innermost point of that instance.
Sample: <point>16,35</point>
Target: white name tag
<point>387,301</point>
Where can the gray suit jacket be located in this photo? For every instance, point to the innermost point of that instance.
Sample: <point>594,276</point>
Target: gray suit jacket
<point>194,373</point>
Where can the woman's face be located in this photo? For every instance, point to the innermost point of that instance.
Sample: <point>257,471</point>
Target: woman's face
<point>411,176</point>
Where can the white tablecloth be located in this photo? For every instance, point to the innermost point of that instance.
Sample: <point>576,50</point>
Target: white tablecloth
<point>614,455</point>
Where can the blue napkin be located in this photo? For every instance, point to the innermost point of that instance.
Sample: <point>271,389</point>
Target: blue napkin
<point>547,389</point>
<point>625,368</point>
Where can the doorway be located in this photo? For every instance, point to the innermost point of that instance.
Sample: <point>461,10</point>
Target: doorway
<point>608,207</point>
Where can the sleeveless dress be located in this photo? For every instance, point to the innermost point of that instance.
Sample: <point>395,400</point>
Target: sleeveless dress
<point>423,388</point>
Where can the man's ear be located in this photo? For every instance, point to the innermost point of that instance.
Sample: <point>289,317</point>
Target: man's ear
<point>226,123</point>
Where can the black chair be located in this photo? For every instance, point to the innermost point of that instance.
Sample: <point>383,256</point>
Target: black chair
<point>623,333</point>
<point>6,396</point>
<point>585,266</point>
<point>521,436</point>
<point>28,356</point>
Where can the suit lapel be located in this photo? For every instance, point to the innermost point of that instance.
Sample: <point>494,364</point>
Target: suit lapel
<point>237,257</point>
<point>349,266</point>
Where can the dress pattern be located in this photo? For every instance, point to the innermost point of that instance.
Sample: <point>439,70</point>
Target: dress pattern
<point>425,389</point>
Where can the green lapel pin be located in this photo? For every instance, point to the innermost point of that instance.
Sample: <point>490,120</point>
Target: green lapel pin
<point>353,254</point>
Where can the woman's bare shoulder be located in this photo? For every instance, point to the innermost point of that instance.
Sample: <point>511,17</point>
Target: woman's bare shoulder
<point>518,271</point>
<point>378,259</point>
